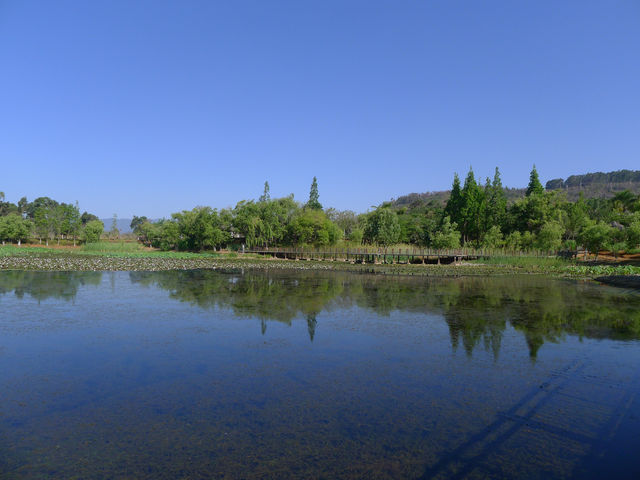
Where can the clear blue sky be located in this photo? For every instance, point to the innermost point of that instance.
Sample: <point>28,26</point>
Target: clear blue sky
<point>151,107</point>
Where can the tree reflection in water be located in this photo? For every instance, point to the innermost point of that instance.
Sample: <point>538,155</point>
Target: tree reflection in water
<point>477,310</point>
<point>45,285</point>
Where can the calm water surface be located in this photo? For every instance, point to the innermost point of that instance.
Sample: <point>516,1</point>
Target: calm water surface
<point>204,374</point>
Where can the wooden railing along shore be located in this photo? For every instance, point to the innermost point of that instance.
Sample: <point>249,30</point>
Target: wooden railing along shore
<point>396,255</point>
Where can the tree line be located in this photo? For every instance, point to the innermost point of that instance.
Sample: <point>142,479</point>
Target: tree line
<point>475,214</point>
<point>265,222</point>
<point>46,220</point>
<point>480,216</point>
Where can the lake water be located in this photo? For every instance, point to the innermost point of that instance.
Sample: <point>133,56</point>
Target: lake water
<point>203,374</point>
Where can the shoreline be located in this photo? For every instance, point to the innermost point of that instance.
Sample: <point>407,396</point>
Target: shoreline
<point>122,262</point>
<point>145,263</point>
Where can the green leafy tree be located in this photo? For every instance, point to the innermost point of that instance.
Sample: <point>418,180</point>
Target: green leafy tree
<point>148,233</point>
<point>7,208</point>
<point>595,237</point>
<point>527,240</point>
<point>41,223</point>
<point>48,217</point>
<point>412,225</point>
<point>199,229</point>
<point>93,231</point>
<point>550,236</point>
<point>616,241</point>
<point>40,203</point>
<point>56,219</point>
<point>347,220</point>
<point>14,228</point>
<point>624,201</point>
<point>272,227</point>
<point>493,238</point>
<point>86,217</point>
<point>577,218</point>
<point>382,227</point>
<point>513,241</point>
<point>68,215</point>
<point>72,221</point>
<point>136,223</point>
<point>314,202</point>
<point>22,206</point>
<point>531,213</point>
<point>247,222</point>
<point>355,236</point>
<point>447,235</point>
<point>313,227</point>
<point>264,223</point>
<point>633,235</point>
<point>168,235</point>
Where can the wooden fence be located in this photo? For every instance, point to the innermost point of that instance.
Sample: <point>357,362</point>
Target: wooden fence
<point>396,255</point>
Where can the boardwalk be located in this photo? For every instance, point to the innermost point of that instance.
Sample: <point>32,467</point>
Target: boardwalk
<point>390,255</point>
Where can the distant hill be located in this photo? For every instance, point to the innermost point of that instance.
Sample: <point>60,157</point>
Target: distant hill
<point>413,200</point>
<point>598,184</point>
<point>592,185</point>
<point>439,199</point>
<point>124,224</point>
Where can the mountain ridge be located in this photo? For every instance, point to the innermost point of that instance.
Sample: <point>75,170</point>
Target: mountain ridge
<point>591,185</point>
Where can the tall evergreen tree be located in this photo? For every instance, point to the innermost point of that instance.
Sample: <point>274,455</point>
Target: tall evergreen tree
<point>534,187</point>
<point>495,201</point>
<point>266,196</point>
<point>473,199</point>
<point>455,202</point>
<point>314,203</point>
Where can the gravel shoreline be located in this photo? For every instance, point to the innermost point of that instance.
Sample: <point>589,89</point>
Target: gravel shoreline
<point>103,263</point>
<point>116,263</point>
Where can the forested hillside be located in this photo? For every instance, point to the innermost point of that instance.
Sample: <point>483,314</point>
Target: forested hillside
<point>592,185</point>
<point>598,184</point>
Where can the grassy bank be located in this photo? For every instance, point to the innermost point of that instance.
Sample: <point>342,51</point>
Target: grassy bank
<point>130,256</point>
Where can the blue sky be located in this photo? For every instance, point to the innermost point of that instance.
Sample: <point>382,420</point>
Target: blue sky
<point>151,107</point>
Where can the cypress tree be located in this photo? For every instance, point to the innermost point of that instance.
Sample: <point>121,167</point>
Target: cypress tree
<point>496,202</point>
<point>313,202</point>
<point>265,197</point>
<point>534,187</point>
<point>472,198</point>
<point>454,204</point>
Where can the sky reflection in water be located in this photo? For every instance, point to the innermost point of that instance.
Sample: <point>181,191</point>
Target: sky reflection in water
<point>282,374</point>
